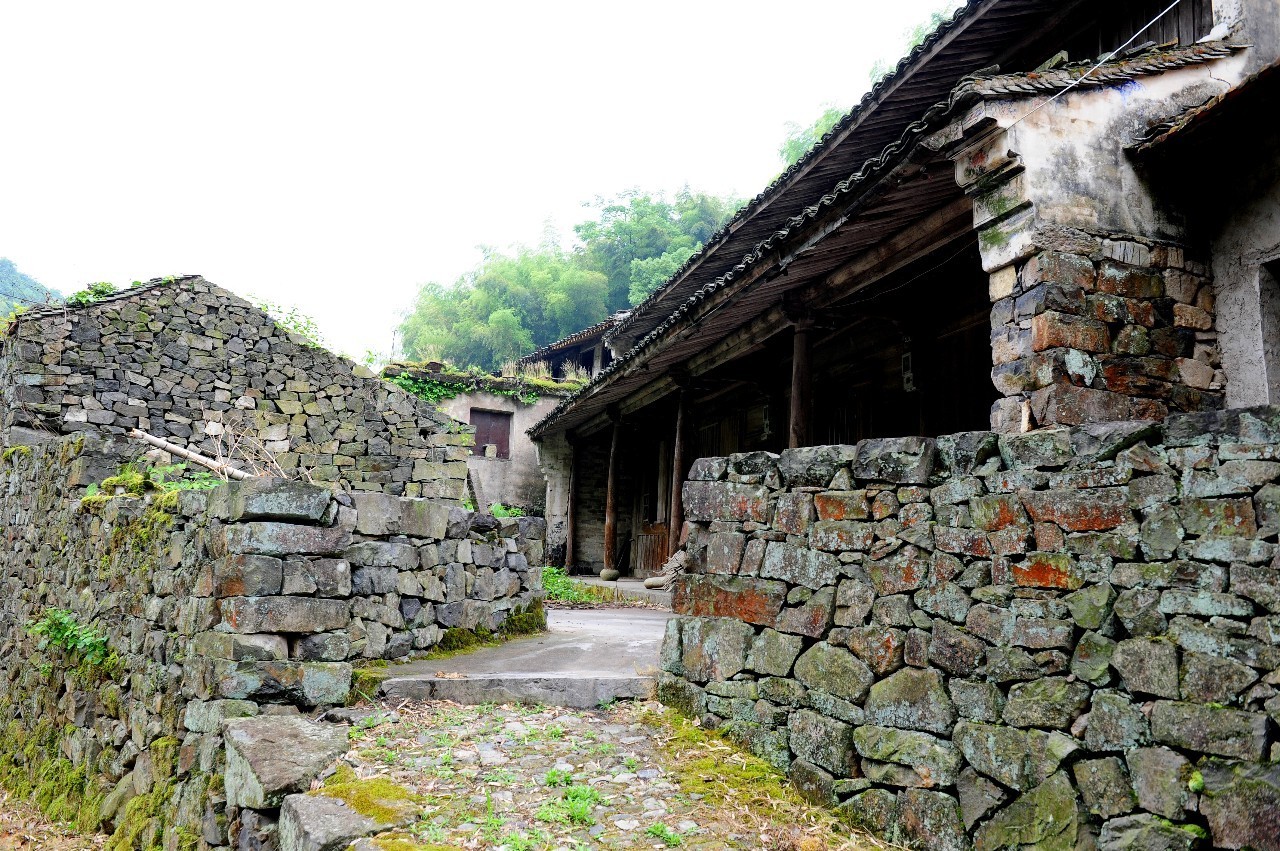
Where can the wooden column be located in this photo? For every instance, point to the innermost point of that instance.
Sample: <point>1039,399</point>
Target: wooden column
<point>801,404</point>
<point>611,499</point>
<point>571,520</point>
<point>676,504</point>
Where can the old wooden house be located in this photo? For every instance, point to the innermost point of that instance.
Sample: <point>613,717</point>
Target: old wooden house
<point>1021,225</point>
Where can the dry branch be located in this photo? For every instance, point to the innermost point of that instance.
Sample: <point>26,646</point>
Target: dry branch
<point>218,467</point>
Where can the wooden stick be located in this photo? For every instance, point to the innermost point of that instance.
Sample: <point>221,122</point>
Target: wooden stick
<point>182,452</point>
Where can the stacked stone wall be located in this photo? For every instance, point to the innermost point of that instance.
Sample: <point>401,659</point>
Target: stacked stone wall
<point>1058,639</point>
<point>254,598</point>
<point>1100,329</point>
<point>196,365</point>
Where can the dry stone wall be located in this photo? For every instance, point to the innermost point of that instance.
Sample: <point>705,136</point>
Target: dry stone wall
<point>256,598</point>
<point>193,363</point>
<point>1055,639</point>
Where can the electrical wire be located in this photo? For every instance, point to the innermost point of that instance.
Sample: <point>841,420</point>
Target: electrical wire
<point>1098,64</point>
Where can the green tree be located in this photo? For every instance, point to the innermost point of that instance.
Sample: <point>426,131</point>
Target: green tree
<point>512,303</point>
<point>915,37</point>
<point>20,290</point>
<point>800,140</point>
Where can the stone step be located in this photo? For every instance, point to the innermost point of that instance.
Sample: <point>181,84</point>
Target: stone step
<point>570,691</point>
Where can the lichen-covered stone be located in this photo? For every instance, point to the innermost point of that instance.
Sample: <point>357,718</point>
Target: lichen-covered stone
<point>1053,702</point>
<point>813,466</point>
<point>1104,786</point>
<point>1044,818</point>
<point>1115,723</point>
<point>1241,803</point>
<point>1091,661</point>
<point>773,653</point>
<point>269,499</point>
<point>913,699</point>
<point>756,601</point>
<point>900,460</point>
<point>1160,778</point>
<point>1019,759</point>
<point>1212,679</point>
<point>835,671</point>
<point>954,650</point>
<point>798,565</point>
<point>1210,729</point>
<point>1147,666</point>
<point>928,819</point>
<point>822,741</point>
<point>1145,832</point>
<point>931,762</point>
<point>714,648</point>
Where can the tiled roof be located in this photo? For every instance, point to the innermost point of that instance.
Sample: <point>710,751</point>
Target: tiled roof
<point>969,91</point>
<point>597,330</point>
<point>1258,85</point>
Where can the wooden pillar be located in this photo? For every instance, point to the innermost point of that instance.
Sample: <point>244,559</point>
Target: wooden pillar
<point>611,500</point>
<point>676,503</point>
<point>571,521</point>
<point>801,404</point>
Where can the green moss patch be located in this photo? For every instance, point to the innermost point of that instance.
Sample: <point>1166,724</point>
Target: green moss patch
<point>377,798</point>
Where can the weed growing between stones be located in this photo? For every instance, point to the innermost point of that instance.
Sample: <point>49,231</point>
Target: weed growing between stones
<point>16,451</point>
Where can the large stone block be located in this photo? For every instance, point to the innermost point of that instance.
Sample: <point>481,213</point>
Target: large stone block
<point>1241,802</point>
<point>1052,329</point>
<point>823,741</point>
<point>1093,510</point>
<point>303,684</point>
<point>1019,759</point>
<point>913,699</point>
<point>705,502</point>
<point>1050,702</point>
<point>1115,723</point>
<point>756,601</point>
<point>1145,831</point>
<point>377,513</point>
<point>930,762</point>
<point>1104,786</point>
<point>270,499</point>
<point>928,819</point>
<point>383,554</point>
<point>1148,666</point>
<point>714,648</point>
<point>1046,817</point>
<point>798,565</point>
<point>269,757</point>
<point>1210,729</point>
<point>842,535</point>
<point>284,539</point>
<point>1048,570</point>
<point>964,451</point>
<point>905,570</point>
<point>835,671</point>
<point>900,460</point>
<point>843,505</point>
<point>247,576</point>
<point>773,653</point>
<point>424,518</point>
<point>813,466</point>
<point>284,614</point>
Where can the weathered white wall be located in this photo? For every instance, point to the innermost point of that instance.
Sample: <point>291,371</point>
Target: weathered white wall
<point>1248,294</point>
<point>512,481</point>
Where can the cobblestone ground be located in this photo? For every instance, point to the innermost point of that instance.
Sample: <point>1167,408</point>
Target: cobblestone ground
<point>520,778</point>
<point>22,828</point>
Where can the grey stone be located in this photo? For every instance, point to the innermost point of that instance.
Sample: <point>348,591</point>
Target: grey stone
<point>1139,610</point>
<point>963,452</point>
<point>714,648</point>
<point>1091,661</point>
<point>1210,729</point>
<point>1019,759</point>
<point>1147,666</point>
<point>284,614</point>
<point>912,699</point>
<point>773,653</point>
<point>1043,448</point>
<point>932,762</point>
<point>1053,702</point>
<point>1043,818</point>
<point>319,823</point>
<point>880,647</point>
<point>798,565</point>
<point>978,796</point>
<point>1212,679</point>
<point>976,701</point>
<point>206,716</point>
<point>383,554</point>
<point>284,539</point>
<point>247,576</point>
<point>928,819</point>
<point>1091,606</point>
<point>901,460</point>
<point>946,600</point>
<point>270,499</point>
<point>954,650</point>
<point>823,741</point>
<point>991,622</point>
<point>1104,786</point>
<point>1115,723</point>
<point>1241,803</point>
<point>1145,832</point>
<point>1160,780</point>
<point>835,671</point>
<point>377,513</point>
<point>269,757</point>
<point>813,466</point>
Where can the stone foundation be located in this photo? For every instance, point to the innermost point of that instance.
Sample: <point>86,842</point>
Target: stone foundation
<point>255,598</point>
<point>1054,639</point>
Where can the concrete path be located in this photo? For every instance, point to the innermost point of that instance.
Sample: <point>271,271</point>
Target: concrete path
<point>586,657</point>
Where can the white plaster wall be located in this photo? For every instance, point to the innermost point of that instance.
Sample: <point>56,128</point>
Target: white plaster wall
<point>1249,296</point>
<point>512,481</point>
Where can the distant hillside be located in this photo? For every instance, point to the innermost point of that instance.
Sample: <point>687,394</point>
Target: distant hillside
<point>19,290</point>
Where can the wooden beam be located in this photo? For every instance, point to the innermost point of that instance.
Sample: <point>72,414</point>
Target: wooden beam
<point>798,432</point>
<point>571,522</point>
<point>611,499</point>
<point>678,453</point>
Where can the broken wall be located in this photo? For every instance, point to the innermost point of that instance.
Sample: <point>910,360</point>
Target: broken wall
<point>986,641</point>
<point>184,610</point>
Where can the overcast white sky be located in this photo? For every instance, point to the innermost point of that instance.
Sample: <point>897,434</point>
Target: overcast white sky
<point>335,156</point>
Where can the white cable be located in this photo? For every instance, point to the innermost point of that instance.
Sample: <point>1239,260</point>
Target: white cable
<point>1100,63</point>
